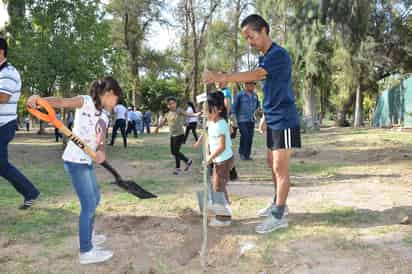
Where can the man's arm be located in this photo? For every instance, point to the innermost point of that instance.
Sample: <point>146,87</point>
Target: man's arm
<point>4,97</point>
<point>248,76</point>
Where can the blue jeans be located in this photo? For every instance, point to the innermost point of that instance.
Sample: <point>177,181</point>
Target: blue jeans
<point>7,170</point>
<point>246,138</point>
<point>147,126</point>
<point>84,182</point>
<point>139,126</point>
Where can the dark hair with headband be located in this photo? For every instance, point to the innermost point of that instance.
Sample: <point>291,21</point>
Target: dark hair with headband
<point>100,87</point>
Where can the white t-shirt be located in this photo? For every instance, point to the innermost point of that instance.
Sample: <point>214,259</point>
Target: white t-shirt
<point>89,128</point>
<point>10,83</point>
<point>139,115</point>
<point>215,130</point>
<point>191,119</point>
<point>120,111</point>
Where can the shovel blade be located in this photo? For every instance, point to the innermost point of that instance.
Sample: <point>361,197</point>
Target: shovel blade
<point>135,189</point>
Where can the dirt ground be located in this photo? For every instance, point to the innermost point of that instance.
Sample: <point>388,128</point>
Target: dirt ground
<point>350,190</point>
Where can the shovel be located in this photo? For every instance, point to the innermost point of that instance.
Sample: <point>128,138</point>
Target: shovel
<point>50,117</point>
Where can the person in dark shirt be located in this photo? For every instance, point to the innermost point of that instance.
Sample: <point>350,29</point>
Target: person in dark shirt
<point>281,119</point>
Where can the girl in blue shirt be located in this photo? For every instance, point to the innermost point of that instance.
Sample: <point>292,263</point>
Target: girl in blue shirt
<point>220,155</point>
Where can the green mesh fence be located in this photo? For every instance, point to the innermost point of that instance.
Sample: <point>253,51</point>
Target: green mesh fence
<point>394,106</point>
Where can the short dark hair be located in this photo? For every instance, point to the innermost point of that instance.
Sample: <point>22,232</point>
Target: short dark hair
<point>3,45</point>
<point>256,22</point>
<point>171,98</point>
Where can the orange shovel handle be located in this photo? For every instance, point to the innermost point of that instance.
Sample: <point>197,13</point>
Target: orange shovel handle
<point>49,117</point>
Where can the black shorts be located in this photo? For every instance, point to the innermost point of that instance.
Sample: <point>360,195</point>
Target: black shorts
<point>283,138</point>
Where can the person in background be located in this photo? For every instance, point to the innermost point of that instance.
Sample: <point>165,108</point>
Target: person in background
<point>120,112</point>
<point>27,123</point>
<point>131,122</point>
<point>191,122</point>
<point>147,120</point>
<point>175,118</point>
<point>139,120</point>
<point>57,133</point>
<point>70,120</point>
<point>245,106</point>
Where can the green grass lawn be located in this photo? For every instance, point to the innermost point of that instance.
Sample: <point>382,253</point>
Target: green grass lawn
<point>54,218</point>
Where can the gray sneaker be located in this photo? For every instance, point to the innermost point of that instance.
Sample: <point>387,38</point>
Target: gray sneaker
<point>271,224</point>
<point>98,239</point>
<point>95,256</point>
<point>266,211</point>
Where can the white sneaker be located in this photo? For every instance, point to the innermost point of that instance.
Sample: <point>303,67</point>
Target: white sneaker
<point>95,256</point>
<point>98,239</point>
<point>218,209</point>
<point>218,223</point>
<point>271,223</point>
<point>266,211</point>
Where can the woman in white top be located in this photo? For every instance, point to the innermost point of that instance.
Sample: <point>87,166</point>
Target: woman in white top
<point>191,121</point>
<point>90,124</point>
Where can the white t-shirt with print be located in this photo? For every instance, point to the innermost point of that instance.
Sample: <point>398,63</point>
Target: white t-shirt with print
<point>88,126</point>
<point>120,111</point>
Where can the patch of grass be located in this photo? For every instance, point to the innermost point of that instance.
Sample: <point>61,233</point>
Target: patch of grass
<point>315,168</point>
<point>147,150</point>
<point>336,215</point>
<point>46,225</point>
<point>408,238</point>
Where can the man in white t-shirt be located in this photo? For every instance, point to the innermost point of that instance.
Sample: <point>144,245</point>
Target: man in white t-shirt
<point>131,122</point>
<point>120,112</point>
<point>139,120</point>
<point>10,85</point>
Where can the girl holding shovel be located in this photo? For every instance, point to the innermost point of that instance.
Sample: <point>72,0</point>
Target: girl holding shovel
<point>90,124</point>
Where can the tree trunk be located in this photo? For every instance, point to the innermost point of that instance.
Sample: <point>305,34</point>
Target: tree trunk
<point>186,55</point>
<point>341,113</point>
<point>358,117</point>
<point>236,42</point>
<point>309,105</point>
<point>195,74</point>
<point>137,90</point>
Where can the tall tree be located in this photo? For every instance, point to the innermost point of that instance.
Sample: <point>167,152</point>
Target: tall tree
<point>130,24</point>
<point>198,14</point>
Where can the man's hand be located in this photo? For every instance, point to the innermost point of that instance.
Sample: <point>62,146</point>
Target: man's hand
<point>211,76</point>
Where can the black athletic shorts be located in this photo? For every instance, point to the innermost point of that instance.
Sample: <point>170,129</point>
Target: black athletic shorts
<point>283,139</point>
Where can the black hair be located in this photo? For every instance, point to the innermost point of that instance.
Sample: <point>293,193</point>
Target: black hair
<point>3,46</point>
<point>216,100</point>
<point>100,87</point>
<point>190,104</point>
<point>171,98</point>
<point>256,22</point>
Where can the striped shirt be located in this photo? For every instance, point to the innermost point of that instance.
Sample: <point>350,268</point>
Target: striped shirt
<point>10,83</point>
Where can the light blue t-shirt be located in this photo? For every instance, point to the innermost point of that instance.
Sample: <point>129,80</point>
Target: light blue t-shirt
<point>216,129</point>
